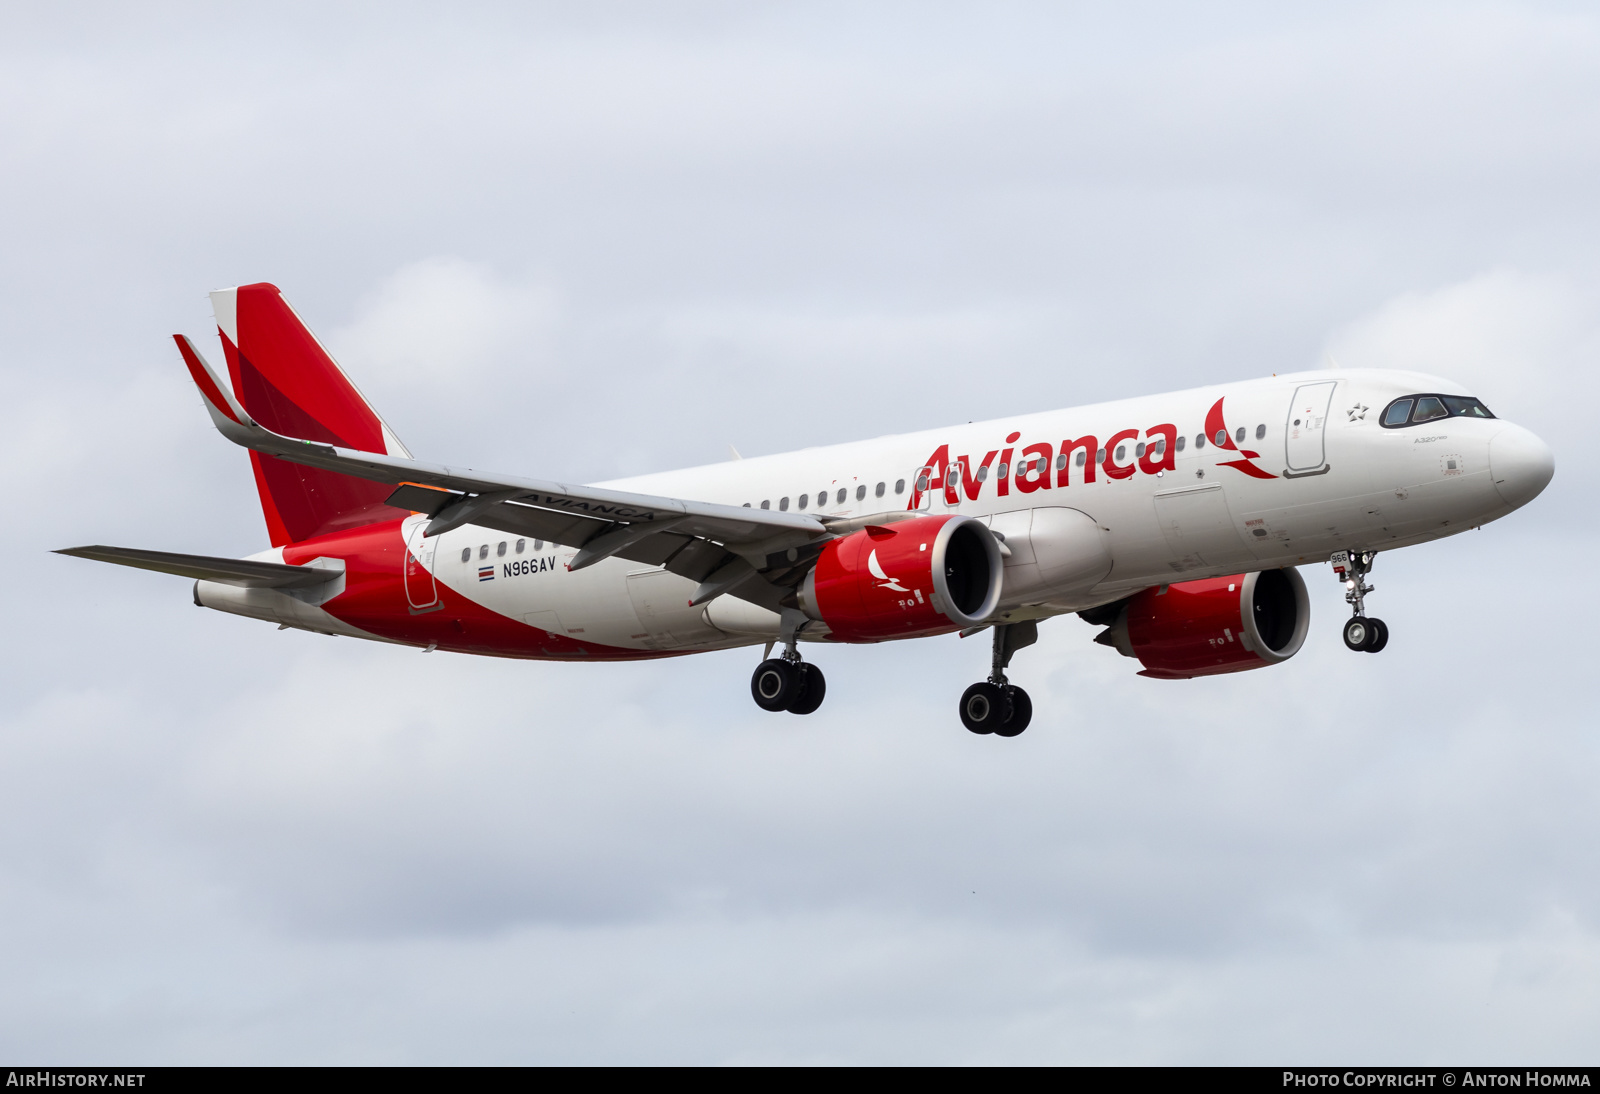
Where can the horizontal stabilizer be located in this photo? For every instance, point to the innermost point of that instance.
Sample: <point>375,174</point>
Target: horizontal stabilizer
<point>228,571</point>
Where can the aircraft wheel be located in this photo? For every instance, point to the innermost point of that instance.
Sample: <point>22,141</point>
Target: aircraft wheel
<point>983,707</point>
<point>1358,633</point>
<point>1380,635</point>
<point>813,686</point>
<point>775,685</point>
<point>1021,714</point>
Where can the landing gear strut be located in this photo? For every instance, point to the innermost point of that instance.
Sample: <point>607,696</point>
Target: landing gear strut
<point>1361,634</point>
<point>996,705</point>
<point>786,682</point>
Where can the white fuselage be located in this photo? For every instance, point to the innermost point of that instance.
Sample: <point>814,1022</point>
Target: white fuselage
<point>1325,476</point>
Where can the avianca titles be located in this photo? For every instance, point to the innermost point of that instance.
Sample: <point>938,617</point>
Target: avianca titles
<point>1175,523</point>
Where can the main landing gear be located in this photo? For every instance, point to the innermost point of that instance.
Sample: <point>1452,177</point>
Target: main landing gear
<point>1361,634</point>
<point>997,706</point>
<point>786,682</point>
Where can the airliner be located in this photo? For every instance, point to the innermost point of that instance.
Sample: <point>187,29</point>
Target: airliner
<point>1174,523</point>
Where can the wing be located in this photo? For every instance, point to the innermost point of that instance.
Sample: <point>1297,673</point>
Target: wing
<point>756,554</point>
<point>229,571</point>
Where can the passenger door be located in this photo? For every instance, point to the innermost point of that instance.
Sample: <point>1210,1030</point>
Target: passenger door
<point>1306,426</point>
<point>422,593</point>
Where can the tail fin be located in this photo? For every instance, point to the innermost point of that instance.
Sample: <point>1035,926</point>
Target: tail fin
<point>284,379</point>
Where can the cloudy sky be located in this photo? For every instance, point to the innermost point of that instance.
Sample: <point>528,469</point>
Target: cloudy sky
<point>587,241</point>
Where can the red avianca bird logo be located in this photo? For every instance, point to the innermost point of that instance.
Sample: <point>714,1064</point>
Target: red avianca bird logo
<point>1217,433</point>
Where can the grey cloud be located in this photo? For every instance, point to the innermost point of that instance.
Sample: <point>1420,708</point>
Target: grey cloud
<point>654,234</point>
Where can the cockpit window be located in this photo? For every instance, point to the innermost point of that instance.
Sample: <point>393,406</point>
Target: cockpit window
<point>1465,406</point>
<point>1414,409</point>
<point>1429,407</point>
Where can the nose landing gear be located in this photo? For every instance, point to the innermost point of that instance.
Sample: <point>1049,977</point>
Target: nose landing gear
<point>786,682</point>
<point>995,705</point>
<point>1361,634</point>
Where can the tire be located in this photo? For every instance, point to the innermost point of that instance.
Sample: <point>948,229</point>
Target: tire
<point>1380,635</point>
<point>1358,633</point>
<point>813,686</point>
<point>983,707</point>
<point>1021,714</point>
<point>775,684</point>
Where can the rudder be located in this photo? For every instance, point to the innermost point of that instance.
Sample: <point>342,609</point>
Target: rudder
<point>287,381</point>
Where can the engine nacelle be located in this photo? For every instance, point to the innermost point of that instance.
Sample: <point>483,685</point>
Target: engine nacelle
<point>1213,626</point>
<point>921,576</point>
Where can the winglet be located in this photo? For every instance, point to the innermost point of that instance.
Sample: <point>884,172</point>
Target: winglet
<point>216,396</point>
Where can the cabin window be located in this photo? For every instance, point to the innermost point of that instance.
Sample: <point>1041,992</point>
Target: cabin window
<point>922,483</point>
<point>747,505</point>
<point>538,545</point>
<point>1100,455</point>
<point>822,498</point>
<point>878,490</point>
<point>1122,452</point>
<point>1238,435</point>
<point>803,500</point>
<point>1161,447</point>
<point>843,494</point>
<point>1261,431</point>
<point>1199,440</point>
<point>522,545</point>
<point>1003,470</point>
<point>500,551</point>
<point>899,486</point>
<point>1221,438</point>
<point>466,554</point>
<point>483,552</point>
<point>766,503</point>
<point>861,492</point>
<point>1061,462</point>
<point>1180,443</point>
<point>1083,456</point>
<point>1138,449</point>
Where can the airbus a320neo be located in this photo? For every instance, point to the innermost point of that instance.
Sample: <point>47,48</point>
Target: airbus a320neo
<point>1174,522</point>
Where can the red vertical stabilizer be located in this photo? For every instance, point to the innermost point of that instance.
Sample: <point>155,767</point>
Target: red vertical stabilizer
<point>287,381</point>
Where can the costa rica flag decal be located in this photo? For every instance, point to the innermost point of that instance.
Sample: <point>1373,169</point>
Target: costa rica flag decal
<point>485,573</point>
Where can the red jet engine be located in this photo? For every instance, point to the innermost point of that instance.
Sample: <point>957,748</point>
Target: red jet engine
<point>927,575</point>
<point>1212,626</point>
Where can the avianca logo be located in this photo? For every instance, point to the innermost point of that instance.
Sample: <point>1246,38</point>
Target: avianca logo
<point>1217,430</point>
<point>875,568</point>
<point>1043,466</point>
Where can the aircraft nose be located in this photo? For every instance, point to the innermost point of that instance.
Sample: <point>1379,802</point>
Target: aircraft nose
<point>1520,464</point>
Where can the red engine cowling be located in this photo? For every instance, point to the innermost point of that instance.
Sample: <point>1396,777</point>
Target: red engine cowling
<point>1212,626</point>
<point>922,576</point>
